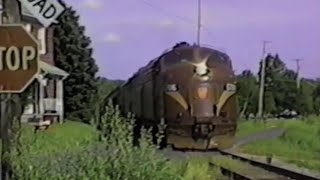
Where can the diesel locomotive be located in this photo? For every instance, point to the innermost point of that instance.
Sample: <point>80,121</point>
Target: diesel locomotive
<point>191,90</point>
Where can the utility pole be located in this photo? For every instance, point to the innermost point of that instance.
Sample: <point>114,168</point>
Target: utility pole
<point>298,72</point>
<point>262,79</point>
<point>4,132</point>
<point>199,23</point>
<point>2,110</point>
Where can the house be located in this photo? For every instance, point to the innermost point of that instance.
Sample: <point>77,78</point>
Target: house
<point>46,99</point>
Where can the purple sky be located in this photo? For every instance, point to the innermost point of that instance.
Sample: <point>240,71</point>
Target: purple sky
<point>127,34</point>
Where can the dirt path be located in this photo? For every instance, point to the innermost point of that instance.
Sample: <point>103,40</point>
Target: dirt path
<point>261,136</point>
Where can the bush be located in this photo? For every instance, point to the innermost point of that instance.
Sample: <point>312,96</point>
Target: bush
<point>113,157</point>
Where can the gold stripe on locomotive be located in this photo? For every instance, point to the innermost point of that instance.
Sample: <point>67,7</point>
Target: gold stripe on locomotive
<point>230,90</point>
<point>178,97</point>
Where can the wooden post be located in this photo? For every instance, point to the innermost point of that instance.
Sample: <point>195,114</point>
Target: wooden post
<point>5,138</point>
<point>59,93</point>
<point>41,96</point>
<point>1,99</point>
<point>298,72</point>
<point>7,17</point>
<point>262,79</point>
<point>5,141</point>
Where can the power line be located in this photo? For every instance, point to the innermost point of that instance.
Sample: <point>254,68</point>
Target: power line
<point>181,18</point>
<point>166,12</point>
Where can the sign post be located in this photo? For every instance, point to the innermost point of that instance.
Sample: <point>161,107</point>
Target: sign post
<point>19,58</point>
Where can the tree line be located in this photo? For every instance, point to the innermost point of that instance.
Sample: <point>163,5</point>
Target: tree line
<point>281,90</point>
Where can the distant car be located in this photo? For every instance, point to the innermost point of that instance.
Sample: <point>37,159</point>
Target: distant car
<point>288,114</point>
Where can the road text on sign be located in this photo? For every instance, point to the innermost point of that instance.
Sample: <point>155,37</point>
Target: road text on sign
<point>18,58</point>
<point>15,59</point>
<point>46,11</point>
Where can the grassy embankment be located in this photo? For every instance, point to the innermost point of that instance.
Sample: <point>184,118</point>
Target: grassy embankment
<point>300,145</point>
<point>58,138</point>
<point>72,150</point>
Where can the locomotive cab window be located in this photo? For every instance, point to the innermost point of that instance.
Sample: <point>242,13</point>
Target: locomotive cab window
<point>172,88</point>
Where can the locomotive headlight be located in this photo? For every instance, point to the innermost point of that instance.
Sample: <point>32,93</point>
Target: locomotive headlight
<point>203,92</point>
<point>201,70</point>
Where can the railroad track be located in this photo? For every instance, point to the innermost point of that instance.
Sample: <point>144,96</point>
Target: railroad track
<point>256,170</point>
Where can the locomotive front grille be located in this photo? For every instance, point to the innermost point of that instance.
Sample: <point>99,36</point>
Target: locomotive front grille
<point>202,101</point>
<point>202,131</point>
<point>203,109</point>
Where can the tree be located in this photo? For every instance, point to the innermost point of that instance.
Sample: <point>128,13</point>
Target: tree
<point>247,91</point>
<point>274,67</point>
<point>74,55</point>
<point>316,99</point>
<point>105,87</point>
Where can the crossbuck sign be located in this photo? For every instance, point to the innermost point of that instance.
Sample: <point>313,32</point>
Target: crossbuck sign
<point>46,11</point>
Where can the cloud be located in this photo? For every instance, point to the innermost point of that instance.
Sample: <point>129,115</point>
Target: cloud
<point>231,17</point>
<point>166,24</point>
<point>92,4</point>
<point>111,38</point>
<point>141,22</point>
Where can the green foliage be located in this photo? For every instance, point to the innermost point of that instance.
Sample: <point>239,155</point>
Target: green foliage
<point>281,91</point>
<point>58,138</point>
<point>300,144</point>
<point>198,168</point>
<point>316,99</point>
<point>74,55</point>
<point>72,151</point>
<point>105,87</point>
<point>248,91</point>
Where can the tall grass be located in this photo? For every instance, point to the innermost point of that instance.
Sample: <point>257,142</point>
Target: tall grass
<point>300,144</point>
<point>198,169</point>
<point>72,151</point>
<point>58,138</point>
<point>113,157</point>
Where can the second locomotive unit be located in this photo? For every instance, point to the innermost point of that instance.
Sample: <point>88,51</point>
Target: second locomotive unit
<point>190,89</point>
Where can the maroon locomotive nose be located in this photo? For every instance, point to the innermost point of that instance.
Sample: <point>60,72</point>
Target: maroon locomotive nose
<point>202,100</point>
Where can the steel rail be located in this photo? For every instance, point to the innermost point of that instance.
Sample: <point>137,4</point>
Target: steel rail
<point>271,168</point>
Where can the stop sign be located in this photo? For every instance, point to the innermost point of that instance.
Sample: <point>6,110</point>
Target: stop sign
<point>19,58</point>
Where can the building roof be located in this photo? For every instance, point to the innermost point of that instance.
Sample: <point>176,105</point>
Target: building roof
<point>50,69</point>
<point>25,11</point>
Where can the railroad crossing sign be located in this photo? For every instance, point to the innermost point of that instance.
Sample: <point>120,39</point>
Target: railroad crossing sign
<point>19,58</point>
<point>46,11</point>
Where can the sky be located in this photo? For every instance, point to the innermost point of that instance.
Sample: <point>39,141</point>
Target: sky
<point>127,34</point>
